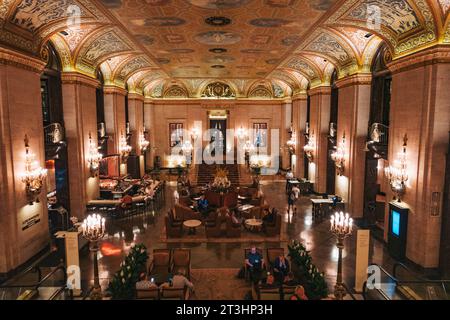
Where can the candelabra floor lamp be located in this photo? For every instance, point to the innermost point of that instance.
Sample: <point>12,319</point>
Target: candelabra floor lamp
<point>341,227</point>
<point>94,230</point>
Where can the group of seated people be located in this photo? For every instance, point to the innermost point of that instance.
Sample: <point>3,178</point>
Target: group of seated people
<point>178,280</point>
<point>281,274</point>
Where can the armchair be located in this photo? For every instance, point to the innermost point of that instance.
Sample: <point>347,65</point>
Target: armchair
<point>147,294</point>
<point>233,229</point>
<point>272,254</point>
<point>185,213</point>
<point>275,229</point>
<point>181,260</point>
<point>214,199</point>
<point>173,293</point>
<point>230,200</point>
<point>160,263</point>
<point>213,229</point>
<point>173,229</point>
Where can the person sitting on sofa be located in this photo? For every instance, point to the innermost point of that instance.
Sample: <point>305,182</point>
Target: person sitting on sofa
<point>280,268</point>
<point>144,283</point>
<point>255,263</point>
<point>268,216</point>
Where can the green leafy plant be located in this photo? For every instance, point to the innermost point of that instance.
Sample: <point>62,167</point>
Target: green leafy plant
<point>123,283</point>
<point>308,274</point>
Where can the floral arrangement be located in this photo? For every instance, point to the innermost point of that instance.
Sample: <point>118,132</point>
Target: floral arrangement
<point>307,273</point>
<point>221,182</point>
<point>123,284</point>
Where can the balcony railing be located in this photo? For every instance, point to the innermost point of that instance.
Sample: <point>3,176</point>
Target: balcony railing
<point>54,134</point>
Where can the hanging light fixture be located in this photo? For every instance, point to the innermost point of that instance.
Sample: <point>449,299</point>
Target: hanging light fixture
<point>397,172</point>
<point>124,148</point>
<point>241,133</point>
<point>310,147</point>
<point>34,175</point>
<point>143,142</point>
<point>339,157</point>
<point>195,132</point>
<point>93,157</point>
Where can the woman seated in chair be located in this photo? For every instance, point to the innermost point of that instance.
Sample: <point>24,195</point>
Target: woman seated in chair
<point>280,268</point>
<point>299,294</point>
<point>179,280</point>
<point>144,283</point>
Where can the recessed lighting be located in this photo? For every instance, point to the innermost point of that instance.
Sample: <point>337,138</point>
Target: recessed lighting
<point>218,50</point>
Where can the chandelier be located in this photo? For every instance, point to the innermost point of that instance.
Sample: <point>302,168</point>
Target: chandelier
<point>310,147</point>
<point>195,133</point>
<point>241,133</point>
<point>93,157</point>
<point>143,143</point>
<point>339,157</point>
<point>397,172</point>
<point>124,148</point>
<point>34,175</point>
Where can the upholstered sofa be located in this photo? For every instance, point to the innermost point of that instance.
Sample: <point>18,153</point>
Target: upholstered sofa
<point>184,213</point>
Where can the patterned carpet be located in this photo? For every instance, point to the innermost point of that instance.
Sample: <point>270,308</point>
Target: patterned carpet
<point>218,284</point>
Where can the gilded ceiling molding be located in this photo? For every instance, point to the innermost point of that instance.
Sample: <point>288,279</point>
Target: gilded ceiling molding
<point>79,79</point>
<point>176,91</point>
<point>434,55</point>
<point>64,53</point>
<point>300,96</point>
<point>355,80</point>
<point>19,60</point>
<point>260,91</point>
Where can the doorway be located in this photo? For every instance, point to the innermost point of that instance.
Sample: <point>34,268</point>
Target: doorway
<point>218,136</point>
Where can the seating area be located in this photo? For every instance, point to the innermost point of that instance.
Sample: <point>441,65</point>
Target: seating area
<point>229,215</point>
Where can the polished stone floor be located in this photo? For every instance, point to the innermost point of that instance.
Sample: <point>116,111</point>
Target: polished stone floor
<point>147,228</point>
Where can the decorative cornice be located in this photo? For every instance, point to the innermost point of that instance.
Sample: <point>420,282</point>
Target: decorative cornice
<point>114,90</point>
<point>19,60</point>
<point>80,79</point>
<point>319,90</point>
<point>135,96</point>
<point>433,55</point>
<point>354,80</point>
<point>299,96</point>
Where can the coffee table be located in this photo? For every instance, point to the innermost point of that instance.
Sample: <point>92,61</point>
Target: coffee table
<point>192,225</point>
<point>254,224</point>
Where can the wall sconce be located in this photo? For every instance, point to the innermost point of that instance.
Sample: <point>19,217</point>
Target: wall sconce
<point>124,148</point>
<point>143,143</point>
<point>310,147</point>
<point>93,157</point>
<point>34,175</point>
<point>187,147</point>
<point>339,157</point>
<point>292,142</point>
<point>397,172</point>
<point>241,134</point>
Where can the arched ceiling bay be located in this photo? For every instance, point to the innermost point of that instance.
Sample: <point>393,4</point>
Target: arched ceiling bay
<point>176,47</point>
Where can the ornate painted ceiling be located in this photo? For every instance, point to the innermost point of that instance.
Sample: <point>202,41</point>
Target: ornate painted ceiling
<point>259,48</point>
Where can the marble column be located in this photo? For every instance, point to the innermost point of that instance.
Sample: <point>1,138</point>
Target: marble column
<point>353,121</point>
<point>420,108</point>
<point>136,119</point>
<point>80,118</point>
<point>115,119</point>
<point>299,119</point>
<point>319,127</point>
<point>149,118</point>
<point>23,227</point>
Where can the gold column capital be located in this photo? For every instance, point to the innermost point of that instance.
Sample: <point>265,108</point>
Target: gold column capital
<point>79,79</point>
<point>354,80</point>
<point>434,55</point>
<point>136,96</point>
<point>325,90</point>
<point>114,90</point>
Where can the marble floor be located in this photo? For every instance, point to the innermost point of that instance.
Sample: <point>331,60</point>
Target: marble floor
<point>147,228</point>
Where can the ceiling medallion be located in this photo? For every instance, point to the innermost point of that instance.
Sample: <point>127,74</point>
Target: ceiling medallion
<point>218,21</point>
<point>217,66</point>
<point>218,38</point>
<point>218,50</point>
<point>218,90</point>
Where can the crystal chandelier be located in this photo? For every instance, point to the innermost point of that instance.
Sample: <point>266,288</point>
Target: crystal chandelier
<point>124,148</point>
<point>397,172</point>
<point>34,175</point>
<point>339,157</point>
<point>310,147</point>
<point>143,143</point>
<point>93,157</point>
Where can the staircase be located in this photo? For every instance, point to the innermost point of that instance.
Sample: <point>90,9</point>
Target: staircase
<point>206,173</point>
